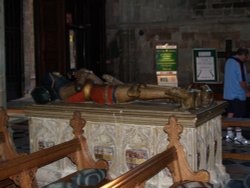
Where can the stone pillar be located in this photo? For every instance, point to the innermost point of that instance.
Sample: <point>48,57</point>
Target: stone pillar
<point>2,57</point>
<point>29,46</point>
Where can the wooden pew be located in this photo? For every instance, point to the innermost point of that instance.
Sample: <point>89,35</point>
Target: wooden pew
<point>236,122</point>
<point>173,158</point>
<point>21,168</point>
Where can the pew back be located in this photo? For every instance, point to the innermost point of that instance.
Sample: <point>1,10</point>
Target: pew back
<point>22,167</point>
<point>235,122</point>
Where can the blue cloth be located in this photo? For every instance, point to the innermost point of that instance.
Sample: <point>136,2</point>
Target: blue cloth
<point>87,177</point>
<point>232,79</point>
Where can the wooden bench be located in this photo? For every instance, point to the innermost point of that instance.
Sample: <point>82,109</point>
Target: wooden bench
<point>21,168</point>
<point>173,158</point>
<point>236,122</point>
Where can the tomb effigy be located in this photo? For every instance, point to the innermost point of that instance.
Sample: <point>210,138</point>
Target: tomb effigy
<point>89,87</point>
<point>128,132</point>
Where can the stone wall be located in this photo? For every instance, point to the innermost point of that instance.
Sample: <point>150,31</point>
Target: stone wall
<point>137,26</point>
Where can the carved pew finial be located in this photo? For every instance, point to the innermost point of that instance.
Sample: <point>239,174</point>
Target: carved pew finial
<point>83,158</point>
<point>173,129</point>
<point>180,169</point>
<point>77,123</point>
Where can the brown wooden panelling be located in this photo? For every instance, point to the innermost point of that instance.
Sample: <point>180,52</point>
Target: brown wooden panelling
<point>51,30</point>
<point>50,37</point>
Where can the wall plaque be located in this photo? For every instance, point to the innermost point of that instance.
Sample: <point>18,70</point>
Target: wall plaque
<point>205,67</point>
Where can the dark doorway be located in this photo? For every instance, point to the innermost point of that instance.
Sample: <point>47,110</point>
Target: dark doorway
<point>56,22</point>
<point>13,48</point>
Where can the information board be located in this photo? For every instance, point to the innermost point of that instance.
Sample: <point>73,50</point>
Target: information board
<point>205,65</point>
<point>166,59</point>
<point>166,64</point>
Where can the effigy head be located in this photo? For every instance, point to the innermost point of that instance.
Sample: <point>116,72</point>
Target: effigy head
<point>42,95</point>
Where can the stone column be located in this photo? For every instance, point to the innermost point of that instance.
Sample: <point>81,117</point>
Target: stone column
<point>29,46</point>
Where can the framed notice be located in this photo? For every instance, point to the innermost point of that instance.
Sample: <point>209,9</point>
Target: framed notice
<point>205,65</point>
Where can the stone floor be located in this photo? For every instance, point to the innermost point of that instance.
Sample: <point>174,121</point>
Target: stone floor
<point>239,170</point>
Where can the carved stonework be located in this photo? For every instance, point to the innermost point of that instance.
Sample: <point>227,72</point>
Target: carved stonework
<point>112,132</point>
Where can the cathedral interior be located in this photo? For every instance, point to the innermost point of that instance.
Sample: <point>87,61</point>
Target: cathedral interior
<point>147,44</point>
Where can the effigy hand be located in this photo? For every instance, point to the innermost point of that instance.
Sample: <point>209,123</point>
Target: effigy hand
<point>84,75</point>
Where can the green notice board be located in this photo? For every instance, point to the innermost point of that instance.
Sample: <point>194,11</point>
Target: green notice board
<point>166,59</point>
<point>205,65</point>
<point>166,64</point>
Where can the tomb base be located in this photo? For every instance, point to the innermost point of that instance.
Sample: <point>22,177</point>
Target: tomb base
<point>128,134</point>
